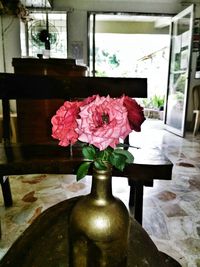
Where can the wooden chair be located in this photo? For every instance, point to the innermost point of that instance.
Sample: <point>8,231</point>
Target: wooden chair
<point>13,127</point>
<point>196,108</point>
<point>49,158</point>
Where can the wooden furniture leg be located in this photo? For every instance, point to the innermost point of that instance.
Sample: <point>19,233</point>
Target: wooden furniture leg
<point>132,196</point>
<point>136,198</point>
<point>138,202</point>
<point>197,121</point>
<point>5,186</point>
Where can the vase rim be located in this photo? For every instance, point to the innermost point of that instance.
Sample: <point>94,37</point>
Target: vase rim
<point>108,168</point>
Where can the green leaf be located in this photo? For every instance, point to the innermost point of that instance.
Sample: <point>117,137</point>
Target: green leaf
<point>126,153</point>
<point>83,170</point>
<point>99,164</point>
<point>118,161</point>
<point>109,149</point>
<point>89,152</point>
<point>103,155</point>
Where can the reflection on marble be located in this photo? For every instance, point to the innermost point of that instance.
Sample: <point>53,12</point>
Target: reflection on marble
<point>171,213</point>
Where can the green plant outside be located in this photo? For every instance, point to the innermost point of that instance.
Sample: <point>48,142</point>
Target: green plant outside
<point>154,102</point>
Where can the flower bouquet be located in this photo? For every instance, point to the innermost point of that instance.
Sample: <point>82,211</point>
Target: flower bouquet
<point>99,123</point>
<point>99,222</point>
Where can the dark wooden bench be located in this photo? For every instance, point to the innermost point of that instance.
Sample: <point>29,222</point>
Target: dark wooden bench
<point>26,158</point>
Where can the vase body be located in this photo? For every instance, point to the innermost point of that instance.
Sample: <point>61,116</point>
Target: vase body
<point>99,227</point>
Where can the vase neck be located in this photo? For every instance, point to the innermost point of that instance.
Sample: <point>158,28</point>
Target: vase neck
<point>102,185</point>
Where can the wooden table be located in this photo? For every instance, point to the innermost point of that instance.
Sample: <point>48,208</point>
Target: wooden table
<point>45,243</point>
<point>48,158</point>
<point>149,164</point>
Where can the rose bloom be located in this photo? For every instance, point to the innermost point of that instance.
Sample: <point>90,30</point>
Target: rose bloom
<point>88,100</point>
<point>103,122</point>
<point>64,123</point>
<point>135,113</point>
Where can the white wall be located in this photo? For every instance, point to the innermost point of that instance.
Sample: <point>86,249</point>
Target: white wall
<point>77,31</point>
<point>10,35</point>
<point>1,49</point>
<point>193,82</point>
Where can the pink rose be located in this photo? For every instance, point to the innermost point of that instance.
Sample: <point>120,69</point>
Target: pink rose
<point>64,123</point>
<point>88,100</point>
<point>135,113</point>
<point>103,122</point>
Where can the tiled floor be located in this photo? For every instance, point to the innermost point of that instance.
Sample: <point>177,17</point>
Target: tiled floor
<point>171,208</point>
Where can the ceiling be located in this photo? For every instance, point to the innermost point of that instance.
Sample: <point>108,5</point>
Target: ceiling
<point>49,3</point>
<point>159,21</point>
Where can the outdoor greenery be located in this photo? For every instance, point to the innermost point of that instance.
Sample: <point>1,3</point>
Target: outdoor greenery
<point>155,101</point>
<point>104,58</point>
<point>130,57</point>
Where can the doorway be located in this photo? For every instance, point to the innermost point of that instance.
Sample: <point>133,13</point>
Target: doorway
<point>179,71</point>
<point>132,45</point>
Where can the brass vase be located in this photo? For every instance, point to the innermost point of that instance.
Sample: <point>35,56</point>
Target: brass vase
<point>99,226</point>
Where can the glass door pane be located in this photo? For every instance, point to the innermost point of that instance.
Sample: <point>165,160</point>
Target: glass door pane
<point>179,69</point>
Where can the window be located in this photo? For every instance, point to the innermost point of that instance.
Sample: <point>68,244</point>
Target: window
<point>32,34</point>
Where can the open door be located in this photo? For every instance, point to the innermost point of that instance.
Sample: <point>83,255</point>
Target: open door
<point>179,71</point>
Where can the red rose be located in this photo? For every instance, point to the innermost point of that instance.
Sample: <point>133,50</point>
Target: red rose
<point>64,123</point>
<point>135,113</point>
